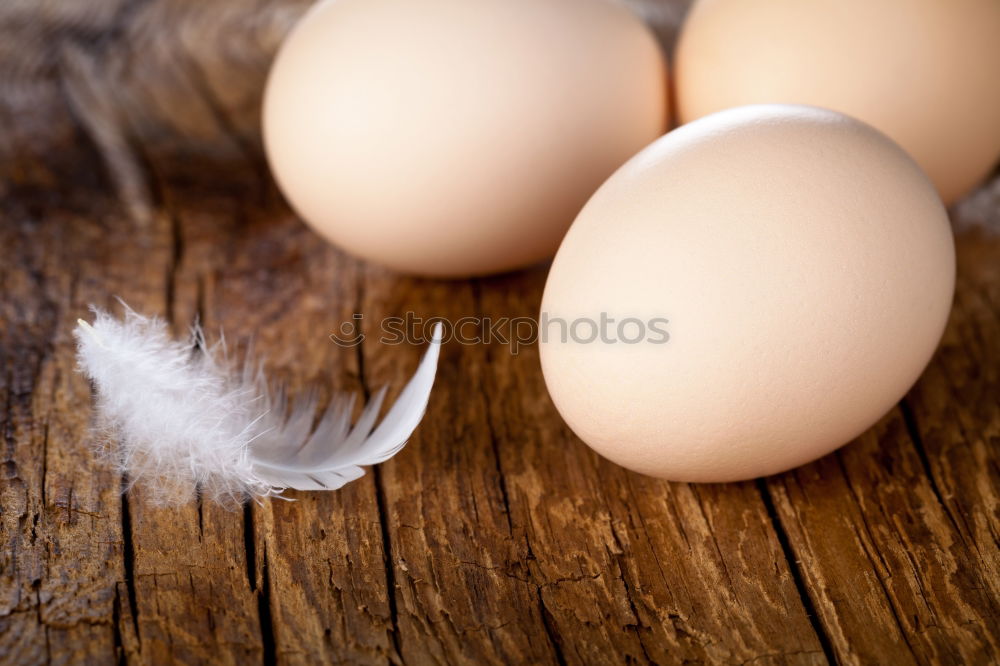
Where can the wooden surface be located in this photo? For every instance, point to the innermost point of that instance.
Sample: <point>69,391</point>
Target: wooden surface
<point>495,536</point>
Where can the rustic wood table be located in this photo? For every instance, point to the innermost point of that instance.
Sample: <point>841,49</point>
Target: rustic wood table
<point>496,536</point>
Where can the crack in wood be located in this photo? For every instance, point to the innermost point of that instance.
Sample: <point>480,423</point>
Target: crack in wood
<point>269,653</point>
<point>913,429</point>
<point>618,558</point>
<point>390,573</point>
<point>798,577</point>
<point>116,630</point>
<point>380,499</point>
<point>550,630</point>
<point>128,557</point>
<point>491,426</point>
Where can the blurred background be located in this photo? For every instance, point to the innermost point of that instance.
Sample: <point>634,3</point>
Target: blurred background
<point>181,80</point>
<point>178,79</point>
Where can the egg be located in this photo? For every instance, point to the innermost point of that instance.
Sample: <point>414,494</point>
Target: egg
<point>925,72</point>
<point>748,293</point>
<point>455,138</point>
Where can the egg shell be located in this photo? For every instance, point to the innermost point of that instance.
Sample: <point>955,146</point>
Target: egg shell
<point>925,72</point>
<point>805,267</point>
<point>454,138</point>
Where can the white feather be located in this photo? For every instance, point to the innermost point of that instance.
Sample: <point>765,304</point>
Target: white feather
<point>181,417</point>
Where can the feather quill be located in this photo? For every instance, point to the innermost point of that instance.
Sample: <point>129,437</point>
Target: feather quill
<point>179,416</point>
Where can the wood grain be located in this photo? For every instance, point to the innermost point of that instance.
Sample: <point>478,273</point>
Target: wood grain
<point>130,166</point>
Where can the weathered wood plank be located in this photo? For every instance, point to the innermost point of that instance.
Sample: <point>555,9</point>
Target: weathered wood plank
<point>459,570</point>
<point>61,543</point>
<point>496,536</point>
<point>60,530</point>
<point>318,562</point>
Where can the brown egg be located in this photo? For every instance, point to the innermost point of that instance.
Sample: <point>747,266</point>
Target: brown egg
<point>453,138</point>
<point>747,294</point>
<point>925,72</point>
